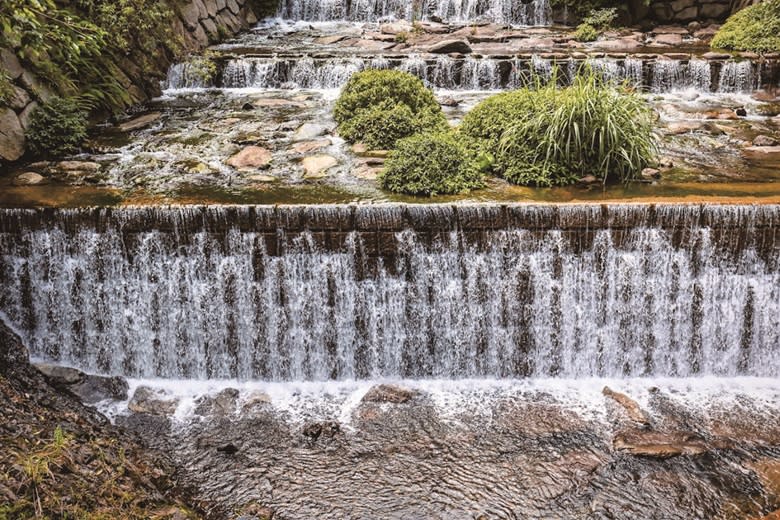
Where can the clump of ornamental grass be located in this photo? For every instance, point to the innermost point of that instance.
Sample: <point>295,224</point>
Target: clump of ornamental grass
<point>545,136</point>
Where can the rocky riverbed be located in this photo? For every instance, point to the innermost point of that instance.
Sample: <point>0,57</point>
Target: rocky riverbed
<point>261,130</point>
<point>468,449</point>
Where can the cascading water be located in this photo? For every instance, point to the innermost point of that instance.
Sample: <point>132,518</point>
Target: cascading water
<point>737,76</point>
<point>364,292</point>
<point>184,76</point>
<point>675,75</point>
<point>471,73</point>
<point>534,13</point>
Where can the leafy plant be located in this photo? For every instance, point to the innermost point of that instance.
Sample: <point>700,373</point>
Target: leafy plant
<point>755,28</point>
<point>75,45</point>
<point>595,24</point>
<point>431,164</point>
<point>586,33</point>
<point>57,128</point>
<point>547,136</point>
<point>601,19</point>
<point>378,107</point>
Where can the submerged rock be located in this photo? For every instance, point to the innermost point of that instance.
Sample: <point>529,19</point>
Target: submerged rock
<point>388,394</point>
<point>140,122</point>
<point>764,140</point>
<point>324,429</point>
<point>251,158</point>
<point>309,131</point>
<point>222,404</point>
<point>366,172</point>
<point>631,407</point>
<point>29,179</point>
<point>659,445</point>
<point>310,146</point>
<point>316,166</point>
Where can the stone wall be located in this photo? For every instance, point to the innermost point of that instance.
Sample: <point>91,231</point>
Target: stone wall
<point>198,23</point>
<point>685,11</point>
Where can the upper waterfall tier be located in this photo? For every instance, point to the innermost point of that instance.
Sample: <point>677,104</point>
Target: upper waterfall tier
<point>526,12</point>
<point>485,73</point>
<point>338,292</point>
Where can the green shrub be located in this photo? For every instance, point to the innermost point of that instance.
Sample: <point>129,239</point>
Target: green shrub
<point>57,128</point>
<point>547,136</point>
<point>378,107</point>
<point>383,124</point>
<point>601,19</point>
<point>432,164</point>
<point>755,28</point>
<point>586,33</point>
<point>597,21</point>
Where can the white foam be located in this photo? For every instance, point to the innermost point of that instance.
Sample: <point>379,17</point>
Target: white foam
<point>299,401</point>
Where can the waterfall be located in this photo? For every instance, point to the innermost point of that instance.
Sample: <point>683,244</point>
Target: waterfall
<point>673,75</point>
<point>415,65</point>
<point>737,76</point>
<point>469,73</point>
<point>536,12</point>
<point>184,75</point>
<point>668,75</point>
<point>444,73</point>
<point>341,292</point>
<point>480,74</point>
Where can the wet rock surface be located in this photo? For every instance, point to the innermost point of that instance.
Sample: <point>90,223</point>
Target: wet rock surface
<point>399,452</point>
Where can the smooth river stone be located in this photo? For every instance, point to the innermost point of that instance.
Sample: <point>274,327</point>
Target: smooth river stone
<point>251,158</point>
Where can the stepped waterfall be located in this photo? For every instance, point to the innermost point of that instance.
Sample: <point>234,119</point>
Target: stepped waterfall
<point>343,292</point>
<point>534,12</point>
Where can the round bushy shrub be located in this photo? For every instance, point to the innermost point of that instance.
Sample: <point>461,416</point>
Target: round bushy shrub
<point>547,136</point>
<point>431,164</point>
<point>57,128</point>
<point>755,28</point>
<point>378,107</point>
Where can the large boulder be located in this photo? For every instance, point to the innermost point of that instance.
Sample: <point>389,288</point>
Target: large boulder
<point>10,63</point>
<point>11,136</point>
<point>147,400</point>
<point>450,46</point>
